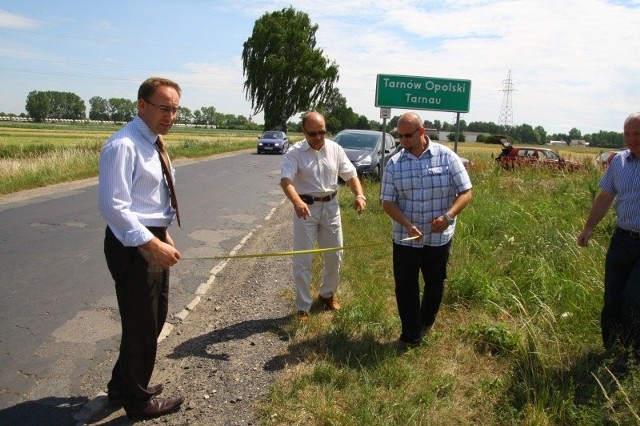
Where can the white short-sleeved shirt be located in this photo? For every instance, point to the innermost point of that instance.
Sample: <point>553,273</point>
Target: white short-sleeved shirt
<point>316,172</point>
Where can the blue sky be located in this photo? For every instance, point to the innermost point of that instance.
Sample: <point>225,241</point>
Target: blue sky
<point>573,63</point>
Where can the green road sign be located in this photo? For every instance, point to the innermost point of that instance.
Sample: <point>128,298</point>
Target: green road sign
<point>431,93</point>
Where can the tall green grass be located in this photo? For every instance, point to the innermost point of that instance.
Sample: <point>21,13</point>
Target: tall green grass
<point>517,340</point>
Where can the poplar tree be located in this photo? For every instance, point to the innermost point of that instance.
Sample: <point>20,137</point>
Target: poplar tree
<point>285,72</point>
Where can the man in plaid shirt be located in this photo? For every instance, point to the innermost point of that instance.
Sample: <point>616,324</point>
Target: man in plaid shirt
<point>424,187</point>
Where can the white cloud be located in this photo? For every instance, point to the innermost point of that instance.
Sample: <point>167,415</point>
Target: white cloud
<point>14,21</point>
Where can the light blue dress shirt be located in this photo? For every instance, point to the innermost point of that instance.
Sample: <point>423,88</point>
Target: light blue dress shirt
<point>132,192</point>
<point>622,179</point>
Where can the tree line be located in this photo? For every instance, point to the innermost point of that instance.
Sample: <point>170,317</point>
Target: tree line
<point>521,134</point>
<point>42,105</point>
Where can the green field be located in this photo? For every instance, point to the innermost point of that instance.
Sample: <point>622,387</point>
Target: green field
<point>33,155</point>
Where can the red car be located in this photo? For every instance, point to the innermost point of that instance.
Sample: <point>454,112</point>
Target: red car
<point>512,156</point>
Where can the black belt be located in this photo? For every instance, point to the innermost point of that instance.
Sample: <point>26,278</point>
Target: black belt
<point>325,198</point>
<point>310,199</point>
<point>632,234</point>
<point>158,231</point>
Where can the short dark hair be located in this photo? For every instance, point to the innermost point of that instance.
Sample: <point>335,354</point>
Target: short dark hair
<point>149,86</point>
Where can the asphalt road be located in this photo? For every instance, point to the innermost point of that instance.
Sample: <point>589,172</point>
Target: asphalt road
<point>58,311</point>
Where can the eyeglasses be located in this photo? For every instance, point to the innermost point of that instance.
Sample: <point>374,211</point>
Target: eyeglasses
<point>163,108</point>
<point>314,134</point>
<point>407,135</point>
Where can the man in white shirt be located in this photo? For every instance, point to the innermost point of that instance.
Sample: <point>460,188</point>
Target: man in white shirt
<point>309,179</point>
<point>135,201</point>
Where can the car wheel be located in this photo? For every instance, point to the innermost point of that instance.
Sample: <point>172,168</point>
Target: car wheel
<point>377,174</point>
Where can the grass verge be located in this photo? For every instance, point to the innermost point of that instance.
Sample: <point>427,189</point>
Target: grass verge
<point>517,338</point>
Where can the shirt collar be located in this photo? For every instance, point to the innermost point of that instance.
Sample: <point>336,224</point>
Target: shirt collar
<point>307,147</point>
<point>426,153</point>
<point>144,130</point>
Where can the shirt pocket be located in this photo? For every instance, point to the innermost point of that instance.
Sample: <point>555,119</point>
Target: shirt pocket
<point>438,179</point>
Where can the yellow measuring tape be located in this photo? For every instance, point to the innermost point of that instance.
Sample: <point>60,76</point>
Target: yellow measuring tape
<point>289,253</point>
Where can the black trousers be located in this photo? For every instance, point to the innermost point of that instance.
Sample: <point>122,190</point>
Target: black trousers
<point>142,289</point>
<point>620,317</point>
<point>416,314</point>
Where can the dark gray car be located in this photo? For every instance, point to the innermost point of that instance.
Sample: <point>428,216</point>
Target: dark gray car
<point>363,147</point>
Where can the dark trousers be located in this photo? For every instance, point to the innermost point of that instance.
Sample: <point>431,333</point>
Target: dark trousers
<point>418,315</point>
<point>142,289</point>
<point>620,318</point>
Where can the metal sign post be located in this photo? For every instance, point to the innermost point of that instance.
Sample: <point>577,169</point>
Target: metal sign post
<point>384,114</point>
<point>455,145</point>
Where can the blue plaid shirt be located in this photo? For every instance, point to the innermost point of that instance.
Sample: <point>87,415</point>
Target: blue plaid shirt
<point>622,180</point>
<point>424,188</point>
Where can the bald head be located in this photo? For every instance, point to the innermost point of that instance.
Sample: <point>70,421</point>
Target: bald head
<point>410,118</point>
<point>312,116</point>
<point>314,129</point>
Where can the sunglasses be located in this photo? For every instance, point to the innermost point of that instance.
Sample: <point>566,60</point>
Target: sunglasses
<point>407,135</point>
<point>314,134</point>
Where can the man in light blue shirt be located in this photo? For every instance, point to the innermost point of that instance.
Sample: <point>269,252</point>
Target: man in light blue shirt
<point>424,187</point>
<point>620,317</point>
<point>135,201</point>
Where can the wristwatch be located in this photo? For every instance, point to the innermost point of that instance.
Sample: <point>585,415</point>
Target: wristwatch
<point>361,196</point>
<point>449,218</point>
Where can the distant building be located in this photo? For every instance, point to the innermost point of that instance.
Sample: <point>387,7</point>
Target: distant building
<point>558,143</point>
<point>578,142</point>
<point>432,132</point>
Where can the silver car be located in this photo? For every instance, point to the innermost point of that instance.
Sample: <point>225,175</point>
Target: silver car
<point>364,149</point>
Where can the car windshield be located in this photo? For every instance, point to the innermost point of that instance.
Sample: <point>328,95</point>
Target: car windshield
<point>272,135</point>
<point>551,155</point>
<point>357,141</point>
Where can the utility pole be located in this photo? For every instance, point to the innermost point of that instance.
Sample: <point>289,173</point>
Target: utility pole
<point>506,112</point>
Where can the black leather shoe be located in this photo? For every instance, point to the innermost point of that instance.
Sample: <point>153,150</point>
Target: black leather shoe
<point>155,407</point>
<point>117,398</point>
